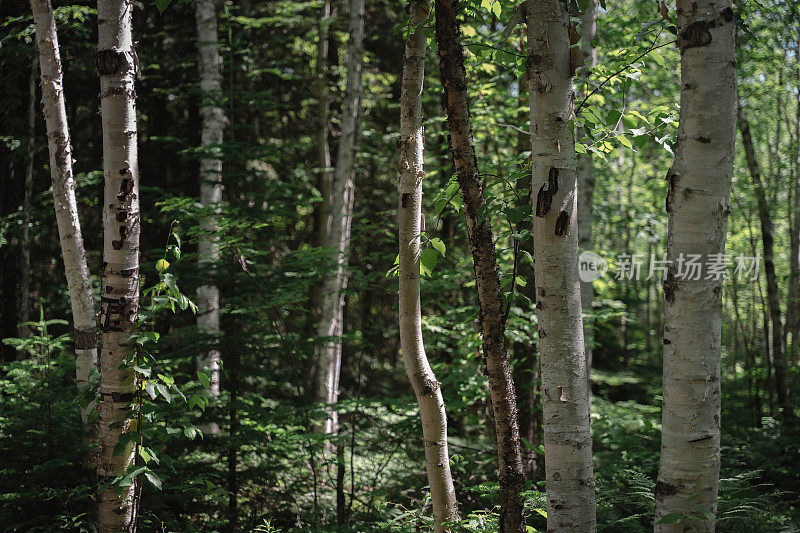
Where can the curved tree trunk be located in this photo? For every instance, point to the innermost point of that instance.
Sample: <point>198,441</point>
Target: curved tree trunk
<point>69,227</point>
<point>210,188</point>
<point>426,388</point>
<point>585,169</point>
<point>773,293</point>
<point>479,233</point>
<point>328,357</point>
<point>697,203</point>
<point>116,64</point>
<point>565,394</point>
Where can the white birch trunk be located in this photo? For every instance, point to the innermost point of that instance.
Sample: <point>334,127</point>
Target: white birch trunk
<point>69,226</point>
<point>565,394</point>
<point>117,65</point>
<point>426,387</point>
<point>328,357</point>
<point>585,169</point>
<point>697,202</point>
<point>210,189</point>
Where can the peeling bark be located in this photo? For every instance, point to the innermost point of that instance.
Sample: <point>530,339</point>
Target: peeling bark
<point>116,62</point>
<point>699,182</point>
<point>565,393</point>
<point>210,189</point>
<point>423,380</point>
<point>66,208</point>
<point>481,240</point>
<point>328,357</point>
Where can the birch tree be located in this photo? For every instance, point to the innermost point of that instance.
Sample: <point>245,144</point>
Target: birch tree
<point>697,203</point>
<point>481,240</point>
<point>69,227</point>
<point>426,387</point>
<point>585,169</point>
<point>565,394</point>
<point>210,187</point>
<point>117,65</point>
<point>328,356</point>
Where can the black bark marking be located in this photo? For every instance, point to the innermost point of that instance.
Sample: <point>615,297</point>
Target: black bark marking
<point>544,199</point>
<point>122,216</point>
<point>671,178</point>
<point>128,272</point>
<point>695,35</point>
<point>108,62</point>
<point>665,489</point>
<point>404,199</point>
<point>702,139</point>
<point>727,14</point>
<point>85,339</point>
<point>117,245</point>
<point>670,285</point>
<point>125,189</point>
<point>562,224</point>
<point>667,341</point>
<point>429,387</point>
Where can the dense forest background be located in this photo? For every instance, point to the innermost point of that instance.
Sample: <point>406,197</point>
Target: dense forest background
<point>266,469</point>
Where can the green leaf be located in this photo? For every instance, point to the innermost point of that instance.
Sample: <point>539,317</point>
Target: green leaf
<point>624,141</point>
<point>164,392</point>
<point>153,478</point>
<point>161,5</point>
<point>144,455</point>
<point>204,379</point>
<point>672,518</point>
<point>151,389</point>
<point>438,245</point>
<point>427,261</point>
<point>657,57</point>
<point>162,265</point>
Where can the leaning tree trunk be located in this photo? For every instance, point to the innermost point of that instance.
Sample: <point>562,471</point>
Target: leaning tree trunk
<point>426,387</point>
<point>773,294</point>
<point>69,226</point>
<point>25,237</point>
<point>328,357</point>
<point>565,392</point>
<point>585,169</point>
<point>697,203</point>
<point>481,240</point>
<point>117,66</point>
<point>210,189</point>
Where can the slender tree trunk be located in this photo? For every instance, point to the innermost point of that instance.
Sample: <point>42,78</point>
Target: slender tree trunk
<point>25,238</point>
<point>793,297</point>
<point>565,393</point>
<point>697,203</point>
<point>210,189</point>
<point>323,211</point>
<point>481,240</point>
<point>773,293</point>
<point>69,226</point>
<point>426,387</point>
<point>585,169</point>
<point>116,64</point>
<point>328,357</point>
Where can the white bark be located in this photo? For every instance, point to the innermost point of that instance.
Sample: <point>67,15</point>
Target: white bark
<point>426,387</point>
<point>116,64</point>
<point>69,227</point>
<point>210,187</point>
<point>329,356</point>
<point>565,395</point>
<point>697,202</point>
<point>585,169</point>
